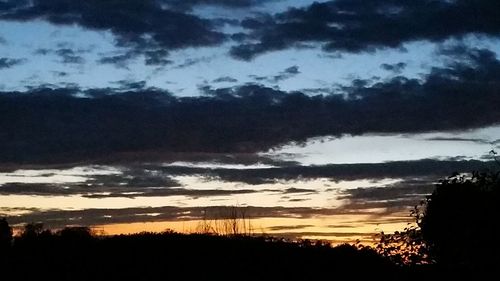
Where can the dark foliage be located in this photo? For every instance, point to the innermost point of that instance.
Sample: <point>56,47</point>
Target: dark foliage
<point>460,223</point>
<point>5,235</point>
<point>455,230</point>
<point>407,247</point>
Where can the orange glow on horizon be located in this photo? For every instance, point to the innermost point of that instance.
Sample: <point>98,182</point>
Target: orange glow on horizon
<point>336,229</point>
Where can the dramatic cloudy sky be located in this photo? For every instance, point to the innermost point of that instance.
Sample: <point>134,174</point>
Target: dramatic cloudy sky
<point>323,119</point>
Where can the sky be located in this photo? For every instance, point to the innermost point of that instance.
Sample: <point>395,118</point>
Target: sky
<point>320,119</point>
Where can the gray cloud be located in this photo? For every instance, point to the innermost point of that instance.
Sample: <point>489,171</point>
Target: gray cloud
<point>66,54</point>
<point>455,139</point>
<point>131,182</point>
<point>131,85</point>
<point>289,227</point>
<point>298,190</point>
<point>409,189</point>
<point>119,60</point>
<point>283,75</point>
<point>190,62</point>
<point>287,73</point>
<point>156,57</point>
<point>396,68</point>
<point>60,73</point>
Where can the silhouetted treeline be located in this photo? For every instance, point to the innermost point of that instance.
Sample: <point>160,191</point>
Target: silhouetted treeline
<point>75,254</point>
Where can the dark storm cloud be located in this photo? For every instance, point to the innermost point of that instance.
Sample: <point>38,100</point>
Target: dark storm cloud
<point>9,62</point>
<point>396,68</point>
<point>55,125</point>
<point>68,56</point>
<point>359,25</point>
<point>141,26</point>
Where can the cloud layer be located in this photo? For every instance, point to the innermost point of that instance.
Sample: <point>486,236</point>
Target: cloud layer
<point>68,124</point>
<point>143,27</point>
<point>358,25</point>
<point>153,28</point>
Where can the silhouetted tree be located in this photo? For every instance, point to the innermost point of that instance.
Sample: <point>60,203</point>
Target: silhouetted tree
<point>5,235</point>
<point>460,223</point>
<point>77,233</point>
<point>456,227</point>
<point>32,230</point>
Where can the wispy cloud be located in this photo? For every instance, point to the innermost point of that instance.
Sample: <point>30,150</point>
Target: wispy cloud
<point>9,62</point>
